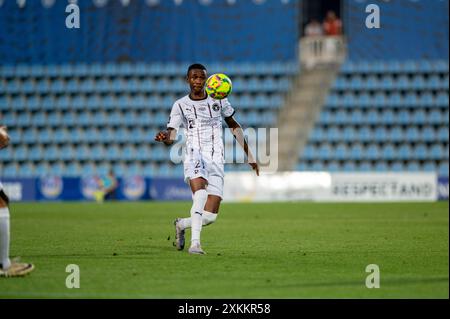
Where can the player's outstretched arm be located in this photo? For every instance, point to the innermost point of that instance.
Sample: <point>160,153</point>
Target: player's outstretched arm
<point>238,134</point>
<point>166,136</point>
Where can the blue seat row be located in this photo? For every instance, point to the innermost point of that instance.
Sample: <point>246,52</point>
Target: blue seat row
<point>357,151</point>
<point>441,168</point>
<point>120,85</point>
<point>380,134</point>
<point>88,169</point>
<point>140,69</point>
<point>403,82</point>
<point>383,67</point>
<point>387,117</point>
<point>126,102</point>
<point>381,100</point>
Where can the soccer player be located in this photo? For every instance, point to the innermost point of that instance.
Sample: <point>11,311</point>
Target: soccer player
<point>202,117</point>
<point>8,268</point>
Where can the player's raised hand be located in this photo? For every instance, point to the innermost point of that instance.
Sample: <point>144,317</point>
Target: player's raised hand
<point>255,167</point>
<point>162,136</point>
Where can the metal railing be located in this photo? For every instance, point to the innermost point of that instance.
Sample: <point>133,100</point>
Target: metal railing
<point>316,50</point>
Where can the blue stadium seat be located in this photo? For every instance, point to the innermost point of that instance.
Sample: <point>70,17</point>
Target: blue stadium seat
<point>388,152</point>
<point>403,117</point>
<point>412,134</point>
<point>324,152</point>
<point>356,152</point>
<point>113,153</point>
<point>128,153</point>
<point>88,169</point>
<point>411,100</point>
<point>102,168</point>
<point>57,169</point>
<point>442,134</point>
<point>356,117</point>
<point>396,134</point>
<point>309,153</point>
<point>388,117</point>
<point>397,166</point>
<point>381,166</point>
<point>120,169</point>
<point>420,152</point>
<point>419,117</point>
<point>25,170</point>
<point>341,152</point>
<point>429,166</point>
<point>372,152</point>
<point>434,117</point>
<point>98,152</point>
<point>333,134</point>
<point>371,118</point>
<point>349,134</point>
<point>443,168</point>
<point>333,166</point>
<point>20,153</point>
<point>413,166</point>
<point>122,135</point>
<point>42,169</point>
<point>365,166</point>
<point>380,134</point>
<point>418,82</point>
<point>51,153</point>
<point>349,166</point>
<point>436,152</point>
<point>427,134</point>
<point>36,153</point>
<point>404,152</point>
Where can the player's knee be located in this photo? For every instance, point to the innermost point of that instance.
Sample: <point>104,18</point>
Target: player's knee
<point>4,199</point>
<point>4,212</point>
<point>208,218</point>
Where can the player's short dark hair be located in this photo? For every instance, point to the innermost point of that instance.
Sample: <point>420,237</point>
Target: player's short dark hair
<point>195,66</point>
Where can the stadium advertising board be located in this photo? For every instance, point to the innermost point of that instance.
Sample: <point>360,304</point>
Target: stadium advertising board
<point>20,189</point>
<point>442,188</point>
<point>169,189</point>
<point>383,187</point>
<point>245,187</point>
<point>322,186</point>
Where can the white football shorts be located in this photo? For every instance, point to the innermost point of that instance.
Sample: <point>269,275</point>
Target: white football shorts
<point>210,168</point>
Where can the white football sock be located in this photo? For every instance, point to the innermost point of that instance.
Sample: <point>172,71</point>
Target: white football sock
<point>4,238</point>
<point>207,219</point>
<point>200,198</point>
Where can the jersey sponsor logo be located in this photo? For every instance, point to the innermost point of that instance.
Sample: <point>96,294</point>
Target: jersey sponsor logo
<point>203,109</point>
<point>134,187</point>
<point>210,122</point>
<point>216,107</point>
<point>51,187</point>
<point>191,123</point>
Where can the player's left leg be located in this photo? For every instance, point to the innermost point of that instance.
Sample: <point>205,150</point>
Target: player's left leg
<point>5,263</point>
<point>8,268</point>
<point>209,213</point>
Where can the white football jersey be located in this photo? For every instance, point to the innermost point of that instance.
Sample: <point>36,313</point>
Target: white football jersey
<point>202,120</point>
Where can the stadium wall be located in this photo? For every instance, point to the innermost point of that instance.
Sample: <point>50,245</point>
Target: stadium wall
<point>293,186</point>
<point>220,30</point>
<point>409,29</point>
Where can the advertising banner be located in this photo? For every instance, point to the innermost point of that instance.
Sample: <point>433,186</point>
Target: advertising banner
<point>442,188</point>
<point>323,186</point>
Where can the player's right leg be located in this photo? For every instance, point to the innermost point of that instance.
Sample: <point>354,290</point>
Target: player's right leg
<point>200,196</point>
<point>8,268</point>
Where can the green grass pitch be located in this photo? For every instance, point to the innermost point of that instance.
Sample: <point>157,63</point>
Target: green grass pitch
<point>277,250</point>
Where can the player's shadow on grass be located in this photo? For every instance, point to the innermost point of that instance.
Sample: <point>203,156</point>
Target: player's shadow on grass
<point>385,282</point>
<point>132,250</point>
